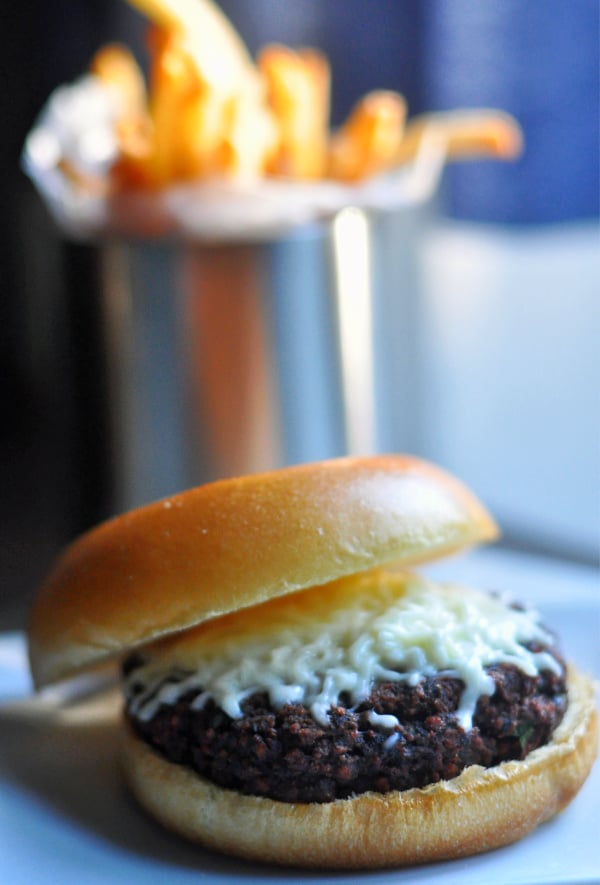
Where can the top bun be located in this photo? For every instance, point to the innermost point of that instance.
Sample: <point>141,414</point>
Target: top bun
<point>239,542</point>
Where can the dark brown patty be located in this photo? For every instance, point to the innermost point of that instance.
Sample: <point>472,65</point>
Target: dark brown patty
<point>287,755</point>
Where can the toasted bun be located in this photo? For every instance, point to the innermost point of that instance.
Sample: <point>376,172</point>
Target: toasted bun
<point>239,542</point>
<point>479,810</point>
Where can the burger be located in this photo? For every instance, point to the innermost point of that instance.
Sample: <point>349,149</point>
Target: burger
<point>295,693</point>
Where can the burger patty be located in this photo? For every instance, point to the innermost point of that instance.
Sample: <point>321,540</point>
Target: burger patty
<point>286,755</point>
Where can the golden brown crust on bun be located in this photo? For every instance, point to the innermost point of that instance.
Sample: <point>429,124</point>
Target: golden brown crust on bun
<point>479,810</point>
<point>238,542</point>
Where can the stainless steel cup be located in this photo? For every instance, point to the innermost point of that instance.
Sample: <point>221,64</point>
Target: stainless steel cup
<point>234,358</point>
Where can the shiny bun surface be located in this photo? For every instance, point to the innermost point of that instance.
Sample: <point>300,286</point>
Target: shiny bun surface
<point>236,543</point>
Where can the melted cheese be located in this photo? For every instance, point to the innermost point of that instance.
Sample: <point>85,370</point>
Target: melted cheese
<point>341,639</point>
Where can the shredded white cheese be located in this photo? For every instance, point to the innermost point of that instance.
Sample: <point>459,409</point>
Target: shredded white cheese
<point>393,628</point>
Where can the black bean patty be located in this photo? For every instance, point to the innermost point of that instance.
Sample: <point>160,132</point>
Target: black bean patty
<point>286,755</point>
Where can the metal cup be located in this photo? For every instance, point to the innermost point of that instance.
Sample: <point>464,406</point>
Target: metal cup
<point>236,358</point>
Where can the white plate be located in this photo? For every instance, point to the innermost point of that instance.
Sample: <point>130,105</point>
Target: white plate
<point>65,817</point>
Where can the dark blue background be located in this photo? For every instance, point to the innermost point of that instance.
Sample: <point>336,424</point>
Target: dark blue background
<point>537,59</point>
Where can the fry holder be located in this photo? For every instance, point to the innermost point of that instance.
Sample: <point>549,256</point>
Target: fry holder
<point>249,326</point>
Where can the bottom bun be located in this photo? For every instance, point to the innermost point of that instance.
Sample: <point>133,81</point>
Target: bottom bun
<point>479,810</point>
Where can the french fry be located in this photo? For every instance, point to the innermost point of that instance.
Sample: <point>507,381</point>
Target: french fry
<point>222,61</point>
<point>172,83</point>
<point>249,143</point>
<point>116,66</point>
<point>199,135</point>
<point>187,117</point>
<point>298,92</point>
<point>465,135</point>
<point>369,141</point>
<point>317,67</point>
<point>133,167</point>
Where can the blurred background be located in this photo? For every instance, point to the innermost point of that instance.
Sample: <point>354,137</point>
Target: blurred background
<point>487,318</point>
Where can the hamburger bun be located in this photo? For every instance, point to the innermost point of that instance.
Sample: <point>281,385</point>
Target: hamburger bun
<point>229,552</point>
<point>239,542</point>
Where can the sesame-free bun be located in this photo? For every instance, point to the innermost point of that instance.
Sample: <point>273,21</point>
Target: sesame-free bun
<point>479,810</point>
<point>239,542</point>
